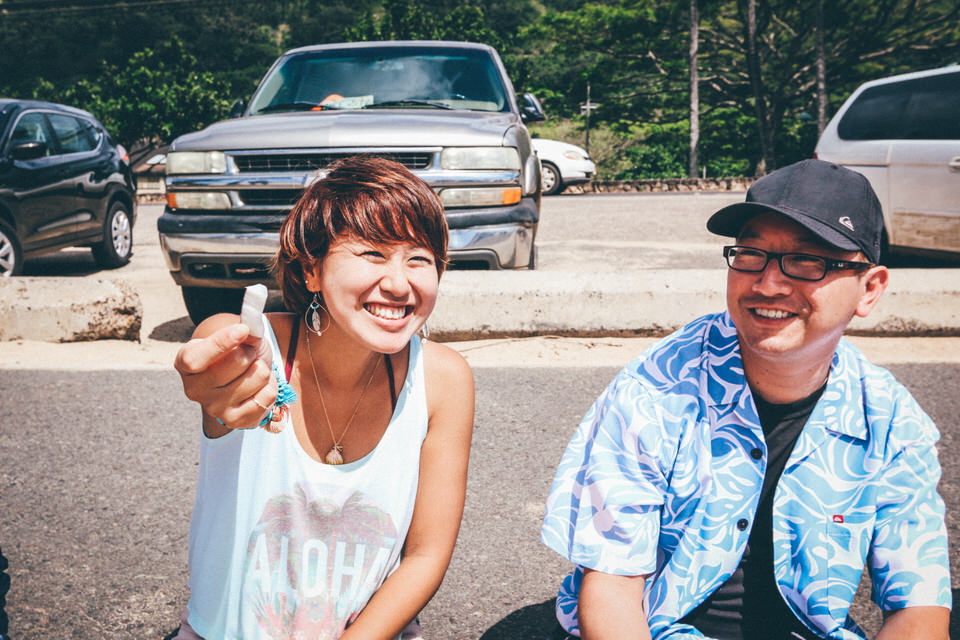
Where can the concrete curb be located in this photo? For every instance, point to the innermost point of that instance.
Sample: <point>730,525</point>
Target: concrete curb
<point>487,304</point>
<point>474,305</point>
<point>58,310</point>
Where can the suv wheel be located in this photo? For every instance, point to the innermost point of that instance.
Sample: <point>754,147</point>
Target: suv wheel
<point>550,181</point>
<point>203,302</point>
<point>11,256</point>
<point>117,245</point>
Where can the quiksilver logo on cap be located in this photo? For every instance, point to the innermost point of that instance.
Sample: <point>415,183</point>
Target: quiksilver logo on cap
<point>845,221</point>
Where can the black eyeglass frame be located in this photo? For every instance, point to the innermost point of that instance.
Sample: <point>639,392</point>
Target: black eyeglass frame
<point>829,264</point>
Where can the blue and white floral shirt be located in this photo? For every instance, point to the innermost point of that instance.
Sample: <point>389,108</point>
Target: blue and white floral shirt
<point>659,480</point>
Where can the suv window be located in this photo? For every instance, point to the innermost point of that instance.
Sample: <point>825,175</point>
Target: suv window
<point>74,134</point>
<point>30,128</point>
<point>920,109</point>
<point>933,112</point>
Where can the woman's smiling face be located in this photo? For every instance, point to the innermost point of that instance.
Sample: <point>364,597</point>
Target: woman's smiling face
<point>377,294</point>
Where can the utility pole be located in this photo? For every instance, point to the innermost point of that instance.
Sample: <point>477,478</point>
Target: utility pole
<point>585,109</point>
<point>587,143</point>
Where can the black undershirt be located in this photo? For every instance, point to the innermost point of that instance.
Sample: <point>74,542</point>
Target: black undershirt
<point>748,606</point>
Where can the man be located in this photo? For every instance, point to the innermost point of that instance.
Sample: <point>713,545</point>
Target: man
<point>733,481</point>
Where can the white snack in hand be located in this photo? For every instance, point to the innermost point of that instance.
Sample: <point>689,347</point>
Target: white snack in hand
<point>251,313</point>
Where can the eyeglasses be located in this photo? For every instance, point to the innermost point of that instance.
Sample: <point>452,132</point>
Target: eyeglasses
<point>802,266</point>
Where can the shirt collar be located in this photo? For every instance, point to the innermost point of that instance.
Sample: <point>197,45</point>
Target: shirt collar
<point>725,382</point>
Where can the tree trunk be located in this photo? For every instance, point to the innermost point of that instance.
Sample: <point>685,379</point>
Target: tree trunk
<point>766,162</point>
<point>694,169</point>
<point>821,74</point>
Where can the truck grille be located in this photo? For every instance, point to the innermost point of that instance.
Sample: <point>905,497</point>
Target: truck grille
<point>312,161</point>
<point>271,197</point>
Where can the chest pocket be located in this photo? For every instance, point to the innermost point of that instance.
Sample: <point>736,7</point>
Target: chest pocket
<point>847,543</point>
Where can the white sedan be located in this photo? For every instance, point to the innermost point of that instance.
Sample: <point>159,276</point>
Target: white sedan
<point>562,165</point>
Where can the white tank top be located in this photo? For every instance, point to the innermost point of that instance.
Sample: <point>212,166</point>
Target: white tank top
<point>282,546</point>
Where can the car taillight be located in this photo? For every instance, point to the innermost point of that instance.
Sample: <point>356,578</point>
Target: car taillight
<point>122,152</point>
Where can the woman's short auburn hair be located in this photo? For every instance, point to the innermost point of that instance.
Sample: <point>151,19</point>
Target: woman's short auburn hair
<point>363,197</point>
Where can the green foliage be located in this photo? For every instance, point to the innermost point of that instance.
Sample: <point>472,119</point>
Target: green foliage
<point>410,20</point>
<point>660,151</point>
<point>156,96</point>
<point>727,147</point>
<point>123,65</point>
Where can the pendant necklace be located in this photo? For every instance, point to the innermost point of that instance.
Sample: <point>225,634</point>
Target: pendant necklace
<point>335,455</point>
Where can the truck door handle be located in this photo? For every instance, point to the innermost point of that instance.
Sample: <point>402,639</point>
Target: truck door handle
<point>955,163</point>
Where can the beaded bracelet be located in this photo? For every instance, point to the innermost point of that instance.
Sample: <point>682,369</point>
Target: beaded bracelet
<point>273,421</point>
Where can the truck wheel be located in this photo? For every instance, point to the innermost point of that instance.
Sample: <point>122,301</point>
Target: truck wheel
<point>11,256</point>
<point>117,245</point>
<point>203,302</point>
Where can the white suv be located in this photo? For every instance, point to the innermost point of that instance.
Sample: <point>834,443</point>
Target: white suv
<point>903,134</point>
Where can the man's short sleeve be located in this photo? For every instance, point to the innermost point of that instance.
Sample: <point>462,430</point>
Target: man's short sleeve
<point>909,560</point>
<point>603,511</point>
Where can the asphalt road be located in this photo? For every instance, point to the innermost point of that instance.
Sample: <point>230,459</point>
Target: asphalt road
<point>98,468</point>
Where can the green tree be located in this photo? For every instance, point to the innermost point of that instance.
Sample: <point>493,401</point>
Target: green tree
<point>156,96</point>
<point>627,50</point>
<point>774,77</point>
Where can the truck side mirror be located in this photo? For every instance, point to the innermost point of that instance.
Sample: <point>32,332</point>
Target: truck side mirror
<point>29,151</point>
<point>236,110</point>
<point>531,111</point>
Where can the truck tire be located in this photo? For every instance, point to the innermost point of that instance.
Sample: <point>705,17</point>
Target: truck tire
<point>203,302</point>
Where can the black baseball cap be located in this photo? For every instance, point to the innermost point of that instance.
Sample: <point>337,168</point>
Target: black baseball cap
<point>838,205</point>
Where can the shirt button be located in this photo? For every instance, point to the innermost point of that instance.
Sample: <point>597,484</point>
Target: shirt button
<point>742,524</point>
<point>756,454</point>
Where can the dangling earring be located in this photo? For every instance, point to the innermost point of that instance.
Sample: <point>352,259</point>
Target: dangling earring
<point>312,316</point>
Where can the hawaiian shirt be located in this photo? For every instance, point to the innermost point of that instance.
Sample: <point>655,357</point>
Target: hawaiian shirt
<point>663,476</point>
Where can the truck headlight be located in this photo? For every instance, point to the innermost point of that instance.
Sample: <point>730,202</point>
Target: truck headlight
<point>196,162</point>
<point>480,158</point>
<point>480,197</point>
<point>198,200</point>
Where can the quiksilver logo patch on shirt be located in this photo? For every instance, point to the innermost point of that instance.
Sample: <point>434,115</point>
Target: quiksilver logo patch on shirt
<point>845,221</point>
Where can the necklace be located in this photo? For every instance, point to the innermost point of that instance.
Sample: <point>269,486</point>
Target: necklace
<point>335,455</point>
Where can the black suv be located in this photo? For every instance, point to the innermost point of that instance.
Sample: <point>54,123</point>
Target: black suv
<point>63,183</point>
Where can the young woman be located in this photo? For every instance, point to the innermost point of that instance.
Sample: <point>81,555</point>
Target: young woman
<point>341,524</point>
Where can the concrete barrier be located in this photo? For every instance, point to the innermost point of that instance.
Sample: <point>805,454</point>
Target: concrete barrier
<point>473,305</point>
<point>69,309</point>
<point>489,304</point>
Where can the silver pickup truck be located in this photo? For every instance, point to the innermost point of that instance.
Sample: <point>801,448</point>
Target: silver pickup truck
<point>445,110</point>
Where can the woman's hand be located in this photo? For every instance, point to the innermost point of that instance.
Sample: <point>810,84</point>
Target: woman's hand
<point>229,373</point>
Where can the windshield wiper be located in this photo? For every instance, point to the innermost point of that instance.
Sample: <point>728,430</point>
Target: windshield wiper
<point>296,106</point>
<point>400,103</point>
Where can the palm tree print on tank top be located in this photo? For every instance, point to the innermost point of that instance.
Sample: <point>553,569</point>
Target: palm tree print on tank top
<point>313,562</point>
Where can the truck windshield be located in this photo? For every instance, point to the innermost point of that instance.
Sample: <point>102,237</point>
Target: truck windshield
<point>382,77</point>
